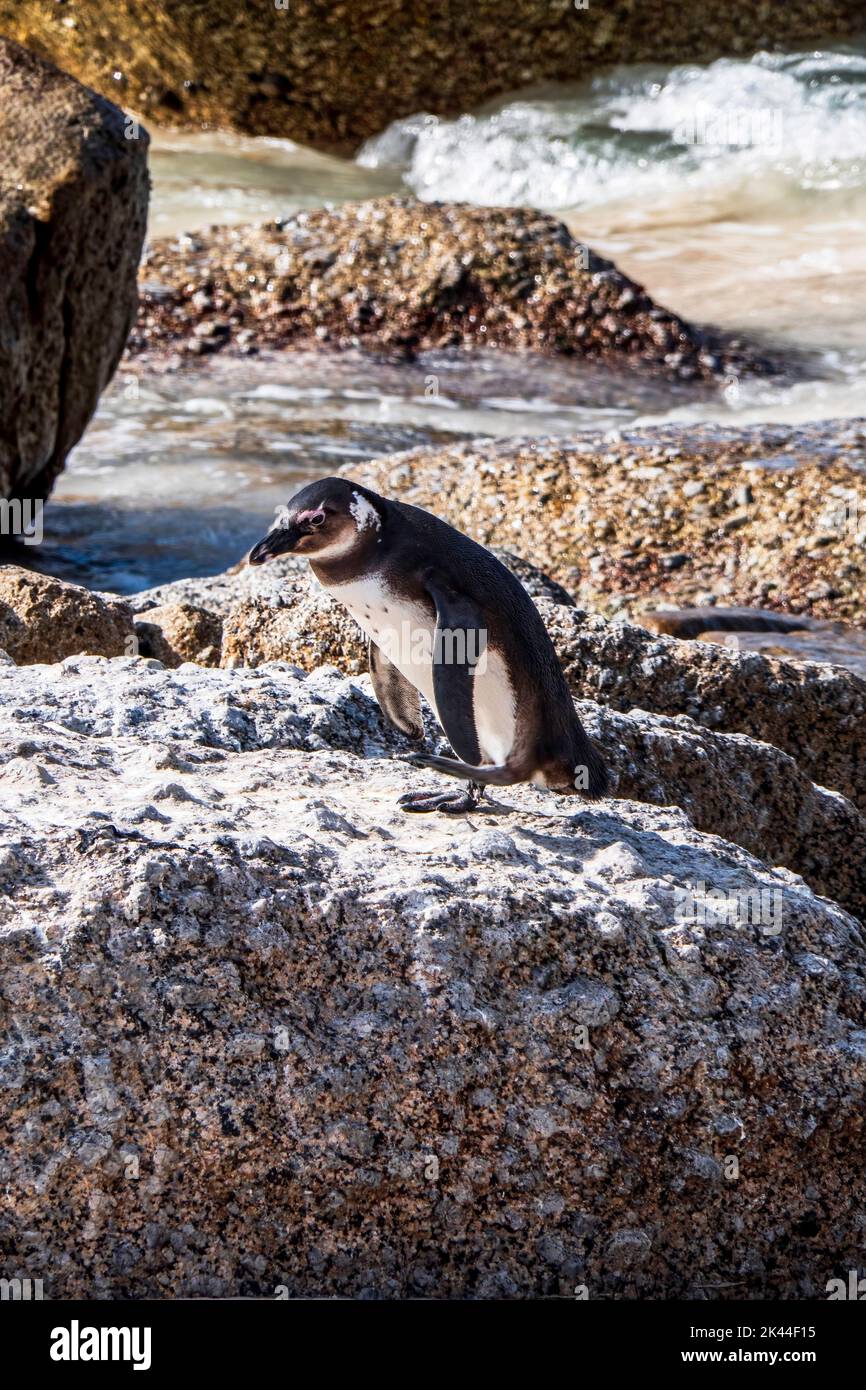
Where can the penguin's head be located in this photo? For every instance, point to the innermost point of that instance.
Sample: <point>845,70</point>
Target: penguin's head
<point>327,520</point>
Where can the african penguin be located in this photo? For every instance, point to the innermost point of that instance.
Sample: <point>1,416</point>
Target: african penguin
<point>444,618</point>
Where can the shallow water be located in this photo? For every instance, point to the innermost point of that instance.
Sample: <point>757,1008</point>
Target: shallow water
<point>220,178</point>
<point>735,192</point>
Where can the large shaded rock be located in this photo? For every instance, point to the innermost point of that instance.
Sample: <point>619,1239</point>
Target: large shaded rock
<point>396,274</point>
<point>45,620</point>
<point>332,75</point>
<point>768,516</point>
<point>73,205</point>
<point>262,1031</point>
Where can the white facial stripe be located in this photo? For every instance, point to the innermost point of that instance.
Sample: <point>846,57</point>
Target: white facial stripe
<point>364,512</point>
<point>330,552</point>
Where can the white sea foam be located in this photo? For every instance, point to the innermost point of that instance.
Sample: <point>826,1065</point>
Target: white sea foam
<point>799,118</point>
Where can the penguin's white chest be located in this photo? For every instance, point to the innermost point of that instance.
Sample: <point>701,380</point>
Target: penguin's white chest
<point>405,633</point>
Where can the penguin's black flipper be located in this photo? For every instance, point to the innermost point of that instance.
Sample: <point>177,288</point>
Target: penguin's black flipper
<point>460,642</point>
<point>398,698</point>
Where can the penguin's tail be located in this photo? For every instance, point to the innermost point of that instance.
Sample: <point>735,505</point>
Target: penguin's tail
<point>503,775</point>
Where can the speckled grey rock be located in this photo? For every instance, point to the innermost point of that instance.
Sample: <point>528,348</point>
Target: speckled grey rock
<point>262,1032</point>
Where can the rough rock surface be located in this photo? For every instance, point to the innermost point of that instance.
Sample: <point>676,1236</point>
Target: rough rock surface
<point>396,274</point>
<point>262,1031</point>
<point>178,632</point>
<point>745,790</point>
<point>45,620</point>
<point>73,205</point>
<point>332,75</point>
<point>737,787</point>
<point>772,516</point>
<point>296,621</point>
<point>816,713</point>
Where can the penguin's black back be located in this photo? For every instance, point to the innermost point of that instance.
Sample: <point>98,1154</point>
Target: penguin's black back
<point>418,541</point>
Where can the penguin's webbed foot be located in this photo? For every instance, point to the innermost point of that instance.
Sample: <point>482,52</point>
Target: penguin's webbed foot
<point>450,803</point>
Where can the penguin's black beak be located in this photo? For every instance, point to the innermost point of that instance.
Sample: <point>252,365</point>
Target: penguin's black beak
<point>281,541</point>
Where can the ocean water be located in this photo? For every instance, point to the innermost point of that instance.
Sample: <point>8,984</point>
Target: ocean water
<point>735,191</point>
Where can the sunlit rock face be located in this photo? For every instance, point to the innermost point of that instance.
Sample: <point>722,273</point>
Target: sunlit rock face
<point>262,1033</point>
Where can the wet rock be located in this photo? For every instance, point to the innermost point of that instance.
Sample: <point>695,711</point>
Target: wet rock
<point>45,620</point>
<point>692,622</point>
<point>177,632</point>
<point>73,205</point>
<point>794,637</point>
<point>332,78</point>
<point>400,275</point>
<point>279,1005</point>
<point>830,642</point>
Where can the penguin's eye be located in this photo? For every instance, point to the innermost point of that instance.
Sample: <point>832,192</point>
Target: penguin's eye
<point>317,519</point>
